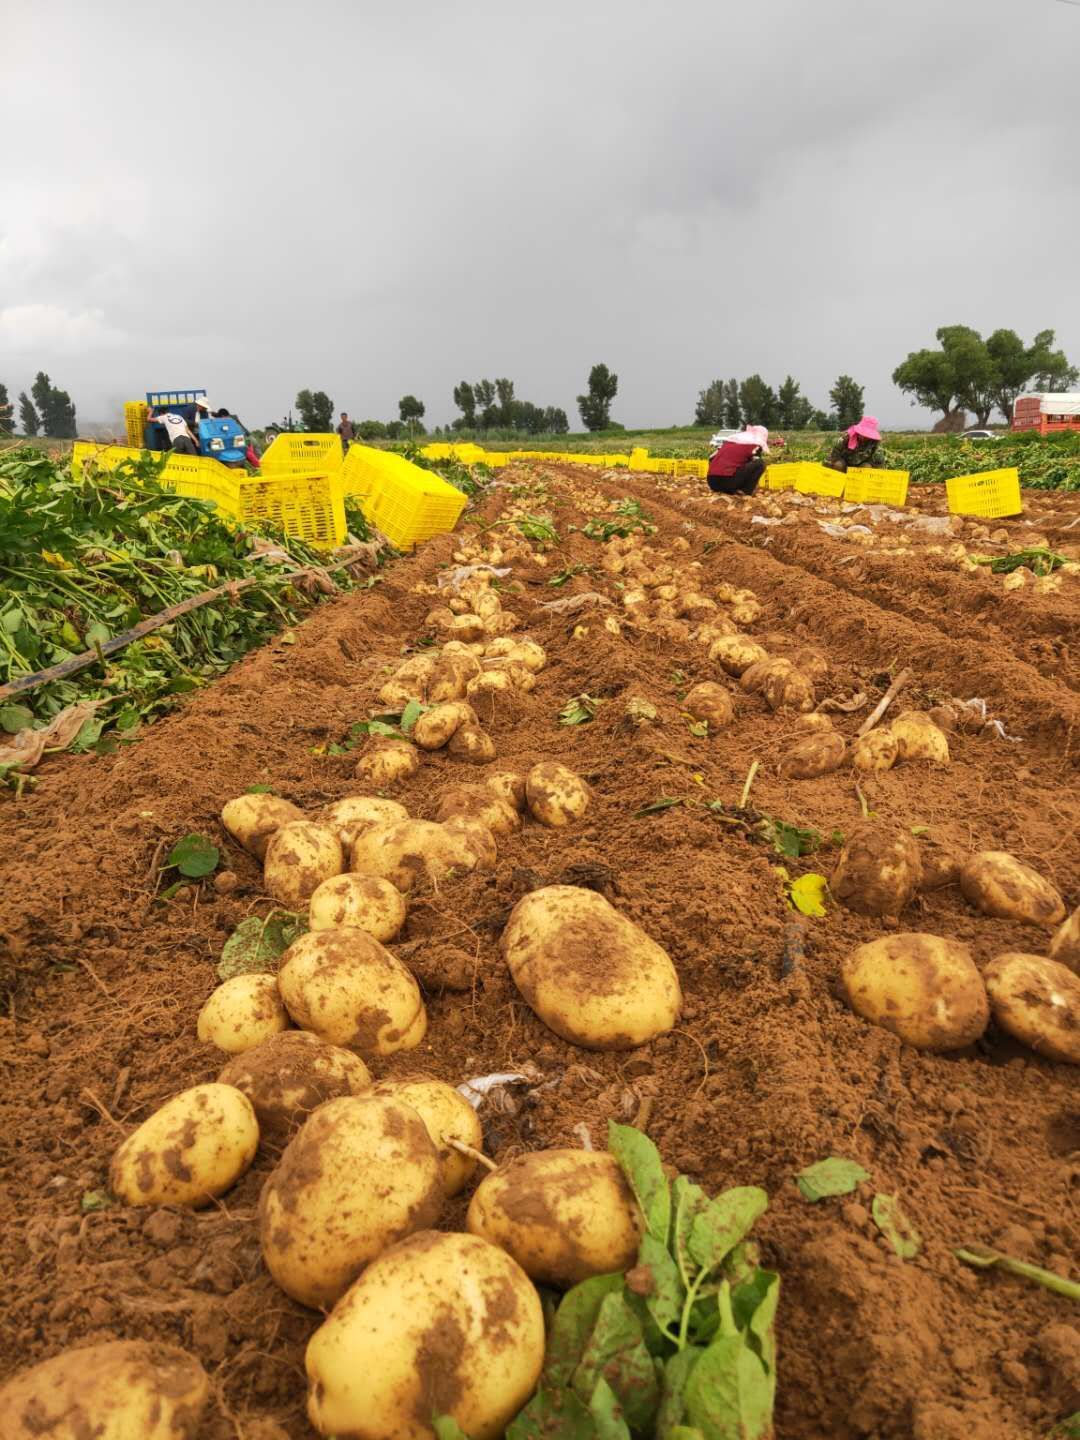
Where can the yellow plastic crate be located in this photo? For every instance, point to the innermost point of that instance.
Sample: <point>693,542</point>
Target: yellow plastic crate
<point>494,459</point>
<point>135,414</point>
<point>992,494</point>
<point>876,487</point>
<point>300,452</point>
<point>409,508</point>
<point>310,506</point>
<point>618,460</point>
<point>819,480</point>
<point>361,470</point>
<point>697,468</point>
<point>784,477</point>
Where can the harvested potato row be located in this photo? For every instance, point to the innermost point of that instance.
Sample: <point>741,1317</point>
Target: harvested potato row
<point>289,1076</point>
<point>241,1013</point>
<point>349,990</point>
<point>925,989</point>
<point>189,1151</point>
<point>423,850</point>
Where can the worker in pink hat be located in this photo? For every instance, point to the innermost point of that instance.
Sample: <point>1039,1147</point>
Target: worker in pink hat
<point>858,446</point>
<point>737,464</point>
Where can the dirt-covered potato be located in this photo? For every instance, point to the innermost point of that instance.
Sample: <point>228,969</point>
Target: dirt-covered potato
<point>878,871</point>
<point>122,1390</point>
<point>752,680</point>
<point>591,974</point>
<point>875,752</point>
<point>941,865</point>
<point>717,627</point>
<point>289,1076</point>
<point>490,682</point>
<point>787,688</point>
<point>472,744</point>
<point>408,682</point>
<point>564,1215</point>
<point>734,653</point>
<point>349,990</point>
<point>710,702</point>
<point>818,754</point>
<point>998,884</point>
<point>1038,1001</point>
<point>437,1325</point>
<point>415,850</point>
<point>348,817</point>
<point>812,721</point>
<point>509,785</point>
<point>1065,946</point>
<point>190,1150</point>
<point>242,1012</point>
<point>362,1173</point>
<point>474,840</point>
<point>450,677</point>
<point>527,653</point>
<point>924,989</point>
<point>479,802</point>
<point>466,627</point>
<point>918,738</point>
<point>435,728</point>
<point>358,902</point>
<point>386,762</point>
<point>439,620</point>
<point>812,663</point>
<point>299,857</point>
<point>252,819</point>
<point>746,612</point>
<point>555,795</point>
<point>447,1115</point>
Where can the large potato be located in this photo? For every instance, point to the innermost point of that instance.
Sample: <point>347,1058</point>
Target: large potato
<point>408,682</point>
<point>435,728</point>
<point>563,1215</point>
<point>875,752</point>
<point>787,688</point>
<point>386,762</point>
<point>472,744</point>
<point>362,1173</point>
<point>819,754</point>
<point>735,654</point>
<point>527,653</point>
<point>358,902</point>
<point>941,865</point>
<point>416,850</point>
<point>299,857</point>
<point>473,840</point>
<point>1065,946</point>
<point>926,990</point>
<point>710,702</point>
<point>592,975</point>
<point>1038,1001</point>
<point>356,813</point>
<point>253,819</point>
<point>479,802</point>
<point>242,1012</point>
<point>290,1075</point>
<point>490,682</point>
<point>122,1390</point>
<point>555,795</point>
<point>879,869</point>
<point>509,786</point>
<point>448,1116</point>
<point>996,883</point>
<point>437,1325</point>
<point>918,738</point>
<point>190,1150</point>
<point>347,989</point>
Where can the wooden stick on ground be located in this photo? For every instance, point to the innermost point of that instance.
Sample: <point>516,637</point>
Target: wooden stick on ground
<point>885,701</point>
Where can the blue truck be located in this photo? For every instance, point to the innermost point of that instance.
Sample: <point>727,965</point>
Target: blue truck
<point>224,439</point>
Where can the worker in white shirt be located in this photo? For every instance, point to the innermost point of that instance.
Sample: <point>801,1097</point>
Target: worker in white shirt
<point>181,440</point>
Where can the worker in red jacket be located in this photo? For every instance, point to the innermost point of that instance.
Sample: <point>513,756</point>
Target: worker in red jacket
<point>736,466</point>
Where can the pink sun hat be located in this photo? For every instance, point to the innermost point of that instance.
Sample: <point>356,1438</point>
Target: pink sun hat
<point>867,428</point>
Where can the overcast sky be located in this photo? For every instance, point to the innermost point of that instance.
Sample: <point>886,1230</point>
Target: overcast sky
<point>380,198</point>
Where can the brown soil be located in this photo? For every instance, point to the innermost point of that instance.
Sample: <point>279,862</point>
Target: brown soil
<point>768,1071</point>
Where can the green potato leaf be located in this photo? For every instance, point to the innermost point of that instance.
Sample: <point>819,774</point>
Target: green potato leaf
<point>834,1176</point>
<point>895,1226</point>
<point>256,944</point>
<point>607,1414</point>
<point>194,855</point>
<point>729,1395</point>
<point>573,1324</point>
<point>616,1352</point>
<point>14,718</point>
<point>808,894</point>
<point>640,1163</point>
<point>553,1415</point>
<point>688,1201</point>
<point>656,1278</point>
<point>409,716</point>
<point>672,1411</point>
<point>447,1428</point>
<point>727,1220</point>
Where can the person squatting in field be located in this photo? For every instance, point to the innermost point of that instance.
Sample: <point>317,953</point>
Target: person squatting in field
<point>858,446</point>
<point>737,465</point>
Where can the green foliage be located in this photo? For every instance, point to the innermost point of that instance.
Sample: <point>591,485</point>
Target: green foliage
<point>7,412</point>
<point>29,418</point>
<point>580,710</point>
<point>411,411</point>
<point>595,406</point>
<point>831,1177</point>
<point>256,944</point>
<point>793,409</point>
<point>316,411</point>
<point>54,409</point>
<point>847,401</point>
<point>732,405</point>
<point>371,430</point>
<point>895,1226</point>
<point>710,406</point>
<point>979,375</point>
<point>757,402</point>
<point>194,856</point>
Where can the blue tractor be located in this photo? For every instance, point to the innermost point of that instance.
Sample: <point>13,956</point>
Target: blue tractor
<point>220,438</point>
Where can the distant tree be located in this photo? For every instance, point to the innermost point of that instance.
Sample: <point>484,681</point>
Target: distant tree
<point>411,411</point>
<point>7,412</point>
<point>732,408</point>
<point>847,401</point>
<point>316,411</point>
<point>55,411</point>
<point>794,410</point>
<point>710,405</point>
<point>29,418</point>
<point>555,421</point>
<point>967,372</point>
<point>371,430</point>
<point>820,421</point>
<point>757,401</point>
<point>595,407</point>
<point>486,413</point>
<point>465,400</point>
<point>1051,370</point>
<point>504,392</point>
<point>394,430</point>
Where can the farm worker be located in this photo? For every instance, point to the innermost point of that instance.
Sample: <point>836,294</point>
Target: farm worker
<point>345,430</point>
<point>857,447</point>
<point>737,465</point>
<point>181,440</point>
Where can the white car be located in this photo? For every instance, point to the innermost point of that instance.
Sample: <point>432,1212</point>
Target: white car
<point>981,435</point>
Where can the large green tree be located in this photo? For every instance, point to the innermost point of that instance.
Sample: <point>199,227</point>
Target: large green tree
<point>465,400</point>
<point>55,410</point>
<point>710,405</point>
<point>757,402</point>
<point>983,374</point>
<point>732,407</point>
<point>794,410</point>
<point>316,411</point>
<point>1051,370</point>
<point>7,412</point>
<point>29,418</point>
<point>504,402</point>
<point>595,407</point>
<point>847,401</point>
<point>411,412</point>
<point>555,420</point>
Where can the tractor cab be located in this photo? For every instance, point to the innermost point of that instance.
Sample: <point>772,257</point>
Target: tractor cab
<point>221,439</point>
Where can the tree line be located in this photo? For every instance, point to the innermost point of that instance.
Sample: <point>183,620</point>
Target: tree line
<point>731,404</point>
<point>967,372</point>
<point>45,411</point>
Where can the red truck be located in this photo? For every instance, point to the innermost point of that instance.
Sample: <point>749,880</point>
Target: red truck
<point>1047,413</point>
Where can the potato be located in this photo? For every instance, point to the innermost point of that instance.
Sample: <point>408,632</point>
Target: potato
<point>242,1012</point>
<point>717,627</point>
<point>348,817</point>
<point>299,857</point>
<point>1038,1001</point>
<point>472,744</point>
<point>386,762</point>
<point>358,902</point>
<point>787,688</point>
<point>875,752</point>
<point>466,627</point>
<point>450,677</point>
<point>486,603</point>
<point>490,682</point>
<point>439,620</point>
<point>689,605</point>
<point>509,785</point>
<point>190,1150</point>
<point>555,795</point>
<point>408,682</point>
<point>502,646</point>
<point>447,1114</point>
<point>437,1325</point>
<point>818,754</point>
<point>471,839</point>
<point>289,1076</point>
<point>735,654</point>
<point>501,623</point>
<point>941,865</point>
<point>745,612</point>
<point>122,1390</point>
<point>564,1215</point>
<point>413,850</point>
<point>361,1174</point>
<point>754,676</point>
<point>1065,946</point>
<point>812,664</point>
<point>996,883</point>
<point>918,738</point>
<point>253,819</point>
<point>813,721</point>
<point>878,870</point>
<point>479,802</point>
<point>435,728</point>
<point>346,988</point>
<point>710,702</point>
<point>591,974</point>
<point>924,989</point>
